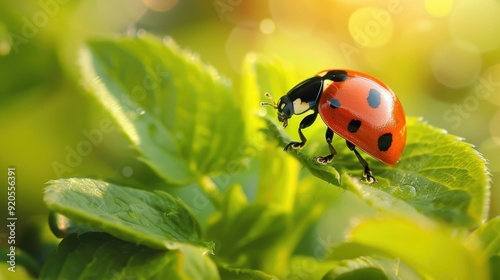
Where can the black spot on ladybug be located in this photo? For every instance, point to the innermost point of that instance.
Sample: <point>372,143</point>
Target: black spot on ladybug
<point>354,125</point>
<point>374,98</point>
<point>385,142</point>
<point>334,103</point>
<point>336,75</point>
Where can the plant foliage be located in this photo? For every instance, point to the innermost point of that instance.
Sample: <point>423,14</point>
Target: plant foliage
<point>190,125</point>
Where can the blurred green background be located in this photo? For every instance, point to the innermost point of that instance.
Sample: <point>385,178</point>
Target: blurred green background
<point>441,57</point>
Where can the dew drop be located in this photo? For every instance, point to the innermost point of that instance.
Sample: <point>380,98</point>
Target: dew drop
<point>133,215</point>
<point>404,191</point>
<point>140,111</point>
<point>171,245</point>
<point>127,171</point>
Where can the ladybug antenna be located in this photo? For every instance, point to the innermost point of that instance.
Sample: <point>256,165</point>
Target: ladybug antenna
<point>273,104</point>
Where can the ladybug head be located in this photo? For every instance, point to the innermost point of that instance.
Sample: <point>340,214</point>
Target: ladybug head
<point>298,100</point>
<point>284,107</point>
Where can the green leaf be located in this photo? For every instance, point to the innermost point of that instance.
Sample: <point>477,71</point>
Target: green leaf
<point>489,236</point>
<point>353,259</point>
<point>262,234</point>
<point>325,172</point>
<point>369,272</point>
<point>249,234</point>
<point>438,174</point>
<point>366,268</point>
<point>430,249</point>
<point>255,229</point>
<point>175,110</point>
<point>154,219</point>
<point>308,268</point>
<point>229,273</point>
<point>234,202</point>
<point>276,187</point>
<point>101,256</point>
<point>380,200</point>
<point>61,226</point>
<point>259,75</point>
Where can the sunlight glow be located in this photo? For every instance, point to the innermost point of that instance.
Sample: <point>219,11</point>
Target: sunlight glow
<point>160,5</point>
<point>439,8</point>
<point>371,27</point>
<point>483,30</point>
<point>456,64</point>
<point>267,26</point>
<point>490,84</point>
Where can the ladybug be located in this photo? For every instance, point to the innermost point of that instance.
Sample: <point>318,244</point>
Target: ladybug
<point>358,107</point>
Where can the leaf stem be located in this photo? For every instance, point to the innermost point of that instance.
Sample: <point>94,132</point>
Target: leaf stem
<point>210,189</point>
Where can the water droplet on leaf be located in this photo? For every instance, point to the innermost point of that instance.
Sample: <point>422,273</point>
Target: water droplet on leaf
<point>171,245</point>
<point>404,191</point>
<point>140,111</point>
<point>127,171</point>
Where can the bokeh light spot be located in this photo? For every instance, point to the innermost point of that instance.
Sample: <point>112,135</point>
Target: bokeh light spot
<point>456,64</point>
<point>489,84</point>
<point>262,112</point>
<point>5,40</point>
<point>4,47</point>
<point>267,26</point>
<point>477,22</point>
<point>160,5</point>
<point>438,8</point>
<point>371,27</point>
<point>101,11</point>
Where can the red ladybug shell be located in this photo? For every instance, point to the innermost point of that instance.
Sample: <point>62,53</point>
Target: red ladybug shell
<point>365,111</point>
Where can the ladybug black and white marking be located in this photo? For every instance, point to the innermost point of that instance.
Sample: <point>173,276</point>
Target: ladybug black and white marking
<point>360,108</point>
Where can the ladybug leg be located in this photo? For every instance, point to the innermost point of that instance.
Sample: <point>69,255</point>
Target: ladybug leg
<point>327,159</point>
<point>367,173</point>
<point>306,122</point>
